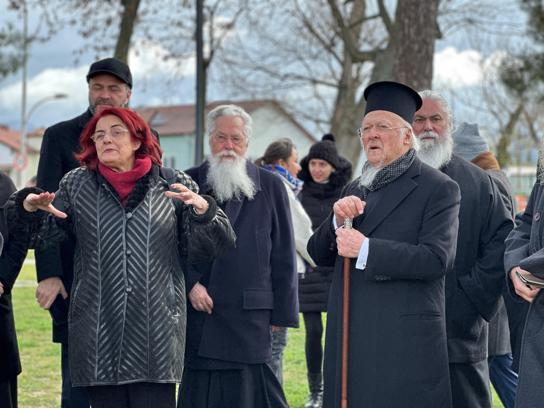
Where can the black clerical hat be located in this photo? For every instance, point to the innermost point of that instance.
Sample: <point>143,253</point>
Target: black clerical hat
<point>392,97</point>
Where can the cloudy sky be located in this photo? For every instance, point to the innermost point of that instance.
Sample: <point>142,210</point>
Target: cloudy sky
<point>52,70</point>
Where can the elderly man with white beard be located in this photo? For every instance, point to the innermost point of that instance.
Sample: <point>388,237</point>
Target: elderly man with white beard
<point>251,289</point>
<point>474,288</point>
<point>401,246</point>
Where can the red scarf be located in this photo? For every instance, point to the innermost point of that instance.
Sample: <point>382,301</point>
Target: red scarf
<point>124,182</point>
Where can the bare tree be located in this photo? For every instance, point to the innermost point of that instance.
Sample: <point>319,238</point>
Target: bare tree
<point>317,56</point>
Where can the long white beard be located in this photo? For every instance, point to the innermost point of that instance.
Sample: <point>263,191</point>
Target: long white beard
<point>228,178</point>
<point>368,175</point>
<point>435,152</point>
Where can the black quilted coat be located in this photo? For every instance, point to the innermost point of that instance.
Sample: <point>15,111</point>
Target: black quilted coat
<point>127,314</point>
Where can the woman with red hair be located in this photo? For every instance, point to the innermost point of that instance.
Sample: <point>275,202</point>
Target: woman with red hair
<point>136,225</point>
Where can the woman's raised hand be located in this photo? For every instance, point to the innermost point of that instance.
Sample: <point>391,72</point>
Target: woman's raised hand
<point>188,197</point>
<point>42,201</point>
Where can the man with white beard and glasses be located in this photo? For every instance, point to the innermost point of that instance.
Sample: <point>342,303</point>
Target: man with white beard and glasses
<point>474,288</point>
<point>235,301</point>
<point>401,246</point>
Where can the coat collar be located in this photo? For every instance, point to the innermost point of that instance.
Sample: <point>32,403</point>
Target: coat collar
<point>232,207</point>
<point>381,203</point>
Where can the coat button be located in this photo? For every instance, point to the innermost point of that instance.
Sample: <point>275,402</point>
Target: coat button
<point>129,252</point>
<point>129,215</point>
<point>537,216</point>
<point>129,289</point>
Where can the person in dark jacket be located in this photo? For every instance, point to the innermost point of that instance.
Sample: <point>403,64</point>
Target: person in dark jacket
<point>525,256</point>
<point>471,146</point>
<point>401,246</point>
<point>474,289</point>
<point>325,173</point>
<point>236,300</point>
<point>110,84</point>
<point>12,254</point>
<point>136,227</point>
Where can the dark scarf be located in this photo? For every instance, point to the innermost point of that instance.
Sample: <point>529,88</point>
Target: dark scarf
<point>391,172</point>
<point>123,183</point>
<point>294,183</point>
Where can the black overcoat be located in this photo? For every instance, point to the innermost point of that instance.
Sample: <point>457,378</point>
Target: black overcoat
<point>57,157</point>
<point>474,289</point>
<point>398,353</point>
<point>253,285</point>
<point>525,248</point>
<point>13,254</point>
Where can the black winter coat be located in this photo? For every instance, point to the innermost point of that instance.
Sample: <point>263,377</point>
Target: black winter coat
<point>57,157</point>
<point>474,288</point>
<point>13,255</point>
<point>525,248</point>
<point>128,309</point>
<point>397,335</point>
<point>317,200</point>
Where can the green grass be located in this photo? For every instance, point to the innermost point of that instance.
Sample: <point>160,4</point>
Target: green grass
<point>39,384</point>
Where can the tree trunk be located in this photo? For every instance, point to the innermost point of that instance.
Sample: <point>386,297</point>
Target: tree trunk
<point>346,115</point>
<point>503,156</point>
<point>413,40</point>
<point>128,19</point>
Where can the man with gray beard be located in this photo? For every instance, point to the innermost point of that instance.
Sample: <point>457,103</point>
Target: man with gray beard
<point>251,289</point>
<point>401,246</point>
<point>474,288</point>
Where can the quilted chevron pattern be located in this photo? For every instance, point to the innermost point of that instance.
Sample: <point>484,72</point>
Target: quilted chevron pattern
<point>128,308</point>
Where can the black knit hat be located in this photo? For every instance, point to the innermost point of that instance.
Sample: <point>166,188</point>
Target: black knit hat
<point>111,66</point>
<point>325,150</point>
<point>392,97</point>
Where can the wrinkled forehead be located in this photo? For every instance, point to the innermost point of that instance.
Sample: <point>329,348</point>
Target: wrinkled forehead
<point>387,117</point>
<point>431,107</point>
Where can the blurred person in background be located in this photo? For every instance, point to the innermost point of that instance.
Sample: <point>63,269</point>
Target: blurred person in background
<point>281,158</point>
<point>476,284</point>
<point>324,173</point>
<point>471,146</point>
<point>136,227</point>
<point>12,254</point>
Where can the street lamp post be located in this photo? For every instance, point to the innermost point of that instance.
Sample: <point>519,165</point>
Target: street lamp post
<point>22,154</point>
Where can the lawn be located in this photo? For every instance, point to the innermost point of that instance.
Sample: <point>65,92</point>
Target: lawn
<point>39,384</point>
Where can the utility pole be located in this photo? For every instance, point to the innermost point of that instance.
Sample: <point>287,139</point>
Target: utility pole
<point>21,156</point>
<point>200,85</point>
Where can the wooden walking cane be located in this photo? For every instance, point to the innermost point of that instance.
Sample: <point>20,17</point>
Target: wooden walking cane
<point>345,324</point>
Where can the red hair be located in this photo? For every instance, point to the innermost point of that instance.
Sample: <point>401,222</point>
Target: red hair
<point>138,129</point>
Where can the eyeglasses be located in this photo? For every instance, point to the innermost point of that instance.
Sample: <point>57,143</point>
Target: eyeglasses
<point>381,128</point>
<point>235,139</point>
<point>115,133</point>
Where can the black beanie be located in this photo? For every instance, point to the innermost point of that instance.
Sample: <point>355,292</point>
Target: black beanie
<point>325,150</point>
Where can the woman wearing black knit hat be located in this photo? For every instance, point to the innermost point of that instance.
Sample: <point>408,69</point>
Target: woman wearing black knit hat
<point>324,173</point>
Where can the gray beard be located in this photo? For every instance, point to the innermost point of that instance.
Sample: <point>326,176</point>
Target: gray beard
<point>229,179</point>
<point>368,176</point>
<point>437,152</point>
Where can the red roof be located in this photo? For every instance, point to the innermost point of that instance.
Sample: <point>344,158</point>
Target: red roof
<point>11,138</point>
<point>180,119</point>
